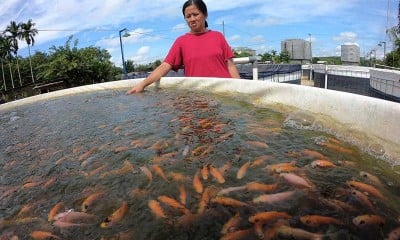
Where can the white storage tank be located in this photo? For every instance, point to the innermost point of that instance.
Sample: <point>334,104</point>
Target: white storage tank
<point>350,54</point>
<point>299,49</point>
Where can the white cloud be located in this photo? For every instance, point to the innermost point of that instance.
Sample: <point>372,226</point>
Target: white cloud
<point>346,37</point>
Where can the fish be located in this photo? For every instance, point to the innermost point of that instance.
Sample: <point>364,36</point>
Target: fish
<point>362,198</point>
<point>208,193</point>
<point>374,180</point>
<point>54,211</point>
<point>317,220</point>
<point>178,177</point>
<point>338,148</point>
<point>296,180</point>
<point>243,170</point>
<point>286,169</point>
<point>160,172</point>
<point>232,224</point>
<point>273,167</point>
<point>224,168</point>
<point>216,174</point>
<point>268,217</point>
<point>297,233</point>
<point>273,198</point>
<point>257,144</point>
<point>259,230</point>
<point>115,216</point>
<point>322,163</point>
<point>75,217</point>
<point>204,172</point>
<point>182,194</point>
<point>147,172</point>
<point>365,188</point>
<point>227,201</point>
<point>394,234</point>
<point>259,160</point>
<point>230,189</point>
<point>368,220</point>
<point>87,203</point>
<point>313,153</point>
<point>197,185</point>
<point>87,154</point>
<point>238,235</point>
<point>255,186</point>
<point>156,209</point>
<point>43,235</point>
<point>173,203</point>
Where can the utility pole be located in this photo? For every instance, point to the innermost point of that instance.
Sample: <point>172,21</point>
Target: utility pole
<point>223,28</point>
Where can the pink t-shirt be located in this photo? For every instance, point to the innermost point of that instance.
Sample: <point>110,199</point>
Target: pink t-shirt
<point>202,55</point>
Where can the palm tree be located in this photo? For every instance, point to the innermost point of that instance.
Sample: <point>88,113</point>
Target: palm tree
<point>27,33</point>
<point>6,48</point>
<point>14,30</point>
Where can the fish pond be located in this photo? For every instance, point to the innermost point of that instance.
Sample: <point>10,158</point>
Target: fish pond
<point>185,165</point>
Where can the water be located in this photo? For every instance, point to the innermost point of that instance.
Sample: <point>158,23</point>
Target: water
<point>65,149</point>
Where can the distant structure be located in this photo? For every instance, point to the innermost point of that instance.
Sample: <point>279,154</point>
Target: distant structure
<point>299,50</point>
<point>350,54</point>
<point>246,50</point>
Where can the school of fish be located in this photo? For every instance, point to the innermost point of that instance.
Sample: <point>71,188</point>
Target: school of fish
<point>186,188</point>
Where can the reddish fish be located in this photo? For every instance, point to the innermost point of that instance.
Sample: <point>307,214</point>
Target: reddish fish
<point>316,220</point>
<point>232,224</point>
<point>156,209</point>
<point>54,211</point>
<point>43,235</point>
<point>273,198</point>
<point>268,217</point>
<point>87,203</point>
<point>243,170</point>
<point>255,186</point>
<point>173,203</point>
<point>322,163</point>
<point>216,174</point>
<point>115,216</point>
<point>198,186</point>
<point>368,220</point>
<point>296,181</point>
<point>366,188</point>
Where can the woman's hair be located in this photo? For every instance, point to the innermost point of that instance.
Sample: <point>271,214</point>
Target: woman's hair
<point>199,4</point>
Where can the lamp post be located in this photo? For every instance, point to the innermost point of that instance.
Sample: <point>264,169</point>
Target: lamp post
<point>122,52</point>
<point>384,48</point>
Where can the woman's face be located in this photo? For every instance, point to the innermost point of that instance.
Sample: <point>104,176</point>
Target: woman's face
<point>195,19</point>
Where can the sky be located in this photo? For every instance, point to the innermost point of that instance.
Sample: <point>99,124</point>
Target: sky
<point>154,25</point>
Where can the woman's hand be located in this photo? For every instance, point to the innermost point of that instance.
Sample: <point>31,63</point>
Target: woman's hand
<point>136,89</point>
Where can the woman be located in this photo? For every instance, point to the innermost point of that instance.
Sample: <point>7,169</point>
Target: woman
<point>202,52</point>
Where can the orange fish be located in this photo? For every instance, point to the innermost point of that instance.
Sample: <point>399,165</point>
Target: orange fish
<point>160,172</point>
<point>268,217</point>
<point>257,144</point>
<point>316,220</point>
<point>259,230</point>
<point>365,188</point>
<point>224,168</point>
<point>368,220</point>
<point>179,177</point>
<point>87,203</point>
<point>86,154</point>
<point>313,153</point>
<point>238,235</point>
<point>255,186</point>
<point>287,168</point>
<point>296,180</point>
<point>208,193</point>
<point>322,163</point>
<point>182,194</point>
<point>243,170</point>
<point>227,201</point>
<point>338,148</point>
<point>374,180</point>
<point>297,233</point>
<point>362,198</point>
<point>115,216</point>
<point>273,167</point>
<point>54,211</point>
<point>216,174</point>
<point>232,224</point>
<point>204,172</point>
<point>198,186</point>
<point>156,209</point>
<point>230,189</point>
<point>260,160</point>
<point>42,235</point>
<point>147,172</point>
<point>173,203</point>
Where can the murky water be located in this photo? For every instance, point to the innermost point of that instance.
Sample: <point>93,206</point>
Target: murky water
<point>67,149</point>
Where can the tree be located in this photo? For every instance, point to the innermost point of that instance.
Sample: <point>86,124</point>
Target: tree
<point>6,49</point>
<point>27,34</point>
<point>130,66</point>
<point>14,30</point>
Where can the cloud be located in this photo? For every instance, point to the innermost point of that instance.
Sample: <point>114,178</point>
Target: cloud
<point>346,37</point>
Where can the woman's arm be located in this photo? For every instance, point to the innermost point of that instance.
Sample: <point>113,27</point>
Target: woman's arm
<point>158,73</point>
<point>232,69</point>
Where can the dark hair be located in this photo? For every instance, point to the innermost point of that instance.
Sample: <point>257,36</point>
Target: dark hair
<point>199,4</point>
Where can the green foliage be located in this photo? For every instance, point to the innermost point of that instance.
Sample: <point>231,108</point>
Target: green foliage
<point>272,57</point>
<point>76,66</point>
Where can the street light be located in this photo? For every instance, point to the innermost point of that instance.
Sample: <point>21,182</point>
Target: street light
<point>122,51</point>
<point>384,48</point>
